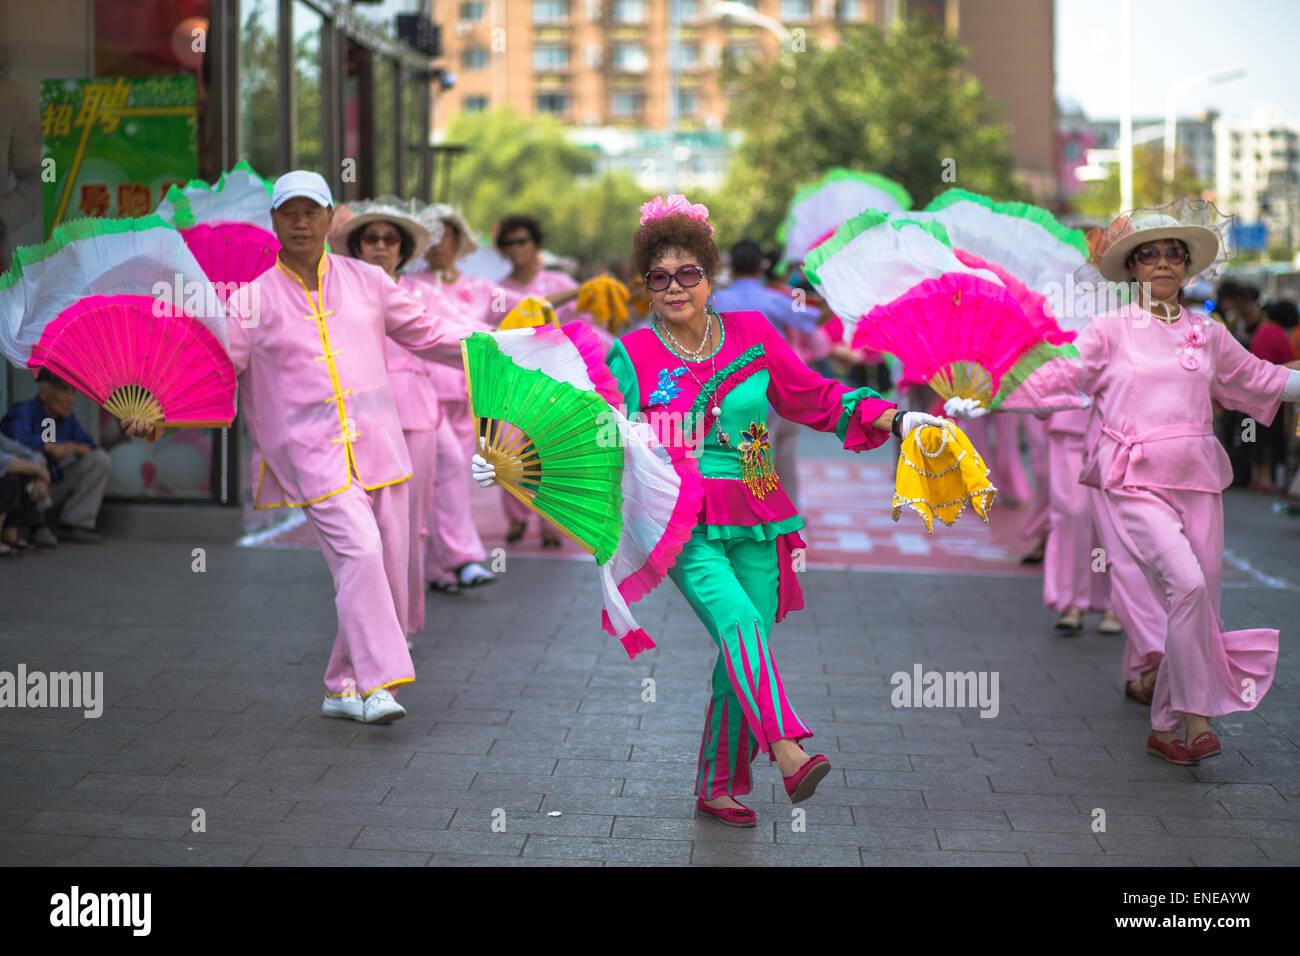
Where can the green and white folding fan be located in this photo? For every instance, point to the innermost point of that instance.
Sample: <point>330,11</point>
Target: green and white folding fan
<point>549,418</point>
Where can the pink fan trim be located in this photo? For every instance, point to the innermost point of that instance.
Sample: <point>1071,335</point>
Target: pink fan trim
<point>1016,338</point>
<point>1032,303</point>
<point>681,525</point>
<point>634,642</point>
<point>589,346</point>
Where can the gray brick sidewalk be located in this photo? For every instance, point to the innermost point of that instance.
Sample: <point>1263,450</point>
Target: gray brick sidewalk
<point>524,707</point>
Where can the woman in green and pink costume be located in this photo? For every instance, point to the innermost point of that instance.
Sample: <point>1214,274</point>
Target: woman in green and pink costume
<point>704,381</point>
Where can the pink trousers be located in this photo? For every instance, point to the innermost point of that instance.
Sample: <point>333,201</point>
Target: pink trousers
<point>422,446</point>
<point>1177,539</point>
<point>1006,470</point>
<point>1069,578</point>
<point>1038,520</point>
<point>364,538</point>
<point>453,538</point>
<point>1138,608</point>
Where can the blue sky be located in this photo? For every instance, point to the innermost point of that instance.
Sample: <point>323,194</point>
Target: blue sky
<point>1174,39</point>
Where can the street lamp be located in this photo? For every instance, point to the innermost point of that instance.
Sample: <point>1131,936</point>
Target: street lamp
<point>1171,105</point>
<point>740,11</point>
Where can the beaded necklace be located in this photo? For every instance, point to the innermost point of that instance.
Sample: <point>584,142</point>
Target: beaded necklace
<point>715,410</point>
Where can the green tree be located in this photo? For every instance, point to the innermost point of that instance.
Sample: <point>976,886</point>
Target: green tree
<point>519,165</point>
<point>1100,201</point>
<point>896,102</point>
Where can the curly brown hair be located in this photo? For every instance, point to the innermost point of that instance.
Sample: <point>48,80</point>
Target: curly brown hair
<point>677,231</point>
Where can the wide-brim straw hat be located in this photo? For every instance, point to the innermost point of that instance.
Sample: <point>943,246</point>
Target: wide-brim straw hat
<point>433,216</point>
<point>384,209</point>
<point>1206,231</point>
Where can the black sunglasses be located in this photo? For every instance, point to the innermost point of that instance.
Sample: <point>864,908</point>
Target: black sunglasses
<point>514,242</point>
<point>657,280</point>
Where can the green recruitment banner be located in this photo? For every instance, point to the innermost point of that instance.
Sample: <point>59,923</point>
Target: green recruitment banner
<point>117,144</point>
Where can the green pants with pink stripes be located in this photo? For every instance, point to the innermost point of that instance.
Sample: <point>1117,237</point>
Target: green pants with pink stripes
<point>732,585</point>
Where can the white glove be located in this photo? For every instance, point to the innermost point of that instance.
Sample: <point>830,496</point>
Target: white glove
<point>914,420</point>
<point>964,408</point>
<point>482,472</point>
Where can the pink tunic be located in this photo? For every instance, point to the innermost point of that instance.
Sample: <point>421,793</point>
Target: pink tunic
<point>313,380</point>
<point>465,302</point>
<point>1156,419</point>
<point>506,294</point>
<point>412,378</point>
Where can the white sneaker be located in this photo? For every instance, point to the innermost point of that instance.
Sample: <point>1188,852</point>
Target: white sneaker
<point>473,574</point>
<point>349,705</point>
<point>381,708</point>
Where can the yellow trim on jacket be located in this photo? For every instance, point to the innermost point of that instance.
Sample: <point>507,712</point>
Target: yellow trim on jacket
<point>319,312</point>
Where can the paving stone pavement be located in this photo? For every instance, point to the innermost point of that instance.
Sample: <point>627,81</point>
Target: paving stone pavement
<point>523,707</point>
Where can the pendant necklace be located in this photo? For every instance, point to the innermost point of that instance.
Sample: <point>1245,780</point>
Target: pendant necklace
<point>714,409</point>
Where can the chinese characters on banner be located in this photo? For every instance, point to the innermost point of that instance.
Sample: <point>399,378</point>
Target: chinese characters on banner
<point>117,144</point>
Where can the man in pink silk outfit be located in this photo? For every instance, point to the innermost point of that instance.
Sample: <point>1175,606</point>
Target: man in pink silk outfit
<point>314,388</point>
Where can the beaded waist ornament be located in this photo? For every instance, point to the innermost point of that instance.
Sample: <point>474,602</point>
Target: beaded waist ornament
<point>757,465</point>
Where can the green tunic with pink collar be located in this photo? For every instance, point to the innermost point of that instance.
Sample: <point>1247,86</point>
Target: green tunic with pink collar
<point>751,367</point>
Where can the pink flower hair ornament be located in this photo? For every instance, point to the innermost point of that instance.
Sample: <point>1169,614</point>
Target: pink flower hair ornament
<point>675,205</point>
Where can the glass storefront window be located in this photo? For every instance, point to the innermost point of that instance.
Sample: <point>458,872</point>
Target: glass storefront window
<point>307,28</point>
<point>259,124</point>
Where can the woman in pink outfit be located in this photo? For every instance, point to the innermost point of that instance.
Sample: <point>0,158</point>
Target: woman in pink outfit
<point>455,551</point>
<point>385,235</point>
<point>1152,370</point>
<point>520,240</point>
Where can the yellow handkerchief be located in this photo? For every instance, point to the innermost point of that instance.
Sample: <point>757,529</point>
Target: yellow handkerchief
<point>528,313</point>
<point>939,472</point>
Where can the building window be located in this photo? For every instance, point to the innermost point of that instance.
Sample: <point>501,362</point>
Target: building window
<point>593,11</point>
<point>594,57</point>
<point>852,11</point>
<point>473,12</point>
<point>630,58</point>
<point>550,11</point>
<point>474,58</point>
<point>629,11</point>
<point>553,103</point>
<point>738,52</point>
<point>796,10</point>
<point>550,59</point>
<point>476,104</point>
<point>627,105</point>
<point>689,10</point>
<point>688,56</point>
<point>688,103</point>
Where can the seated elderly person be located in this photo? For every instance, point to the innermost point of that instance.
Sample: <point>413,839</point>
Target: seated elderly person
<point>24,481</point>
<point>78,469</point>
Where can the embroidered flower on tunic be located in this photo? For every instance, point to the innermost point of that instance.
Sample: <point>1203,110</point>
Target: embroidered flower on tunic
<point>668,388</point>
<point>1195,338</point>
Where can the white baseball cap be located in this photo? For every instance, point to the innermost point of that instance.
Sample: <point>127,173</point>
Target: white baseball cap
<point>301,182</point>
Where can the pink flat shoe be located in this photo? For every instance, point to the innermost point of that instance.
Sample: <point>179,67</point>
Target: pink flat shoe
<point>1205,745</point>
<point>731,816</point>
<point>801,784</point>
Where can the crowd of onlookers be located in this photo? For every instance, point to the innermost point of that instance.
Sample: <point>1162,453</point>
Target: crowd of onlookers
<point>52,474</point>
<point>1264,457</point>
